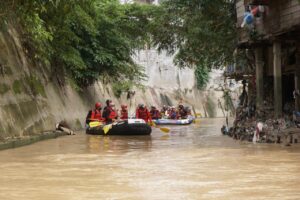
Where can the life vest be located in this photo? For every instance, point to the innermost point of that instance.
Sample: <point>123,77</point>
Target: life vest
<point>109,114</point>
<point>155,114</point>
<point>96,114</point>
<point>143,114</point>
<point>112,114</point>
<point>173,115</point>
<point>183,113</point>
<point>124,114</point>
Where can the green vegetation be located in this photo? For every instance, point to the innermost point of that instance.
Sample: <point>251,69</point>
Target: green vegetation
<point>82,39</point>
<point>4,88</point>
<point>35,85</point>
<point>87,39</point>
<point>18,87</point>
<point>119,88</point>
<point>201,32</point>
<point>202,76</point>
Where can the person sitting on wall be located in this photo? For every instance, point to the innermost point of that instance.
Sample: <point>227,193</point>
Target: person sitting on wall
<point>124,112</point>
<point>143,113</point>
<point>109,113</point>
<point>155,114</point>
<point>95,114</point>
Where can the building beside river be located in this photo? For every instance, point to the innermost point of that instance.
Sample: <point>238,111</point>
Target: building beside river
<point>269,33</point>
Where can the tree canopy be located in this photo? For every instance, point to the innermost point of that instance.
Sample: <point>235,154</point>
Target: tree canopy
<point>86,39</point>
<point>83,38</point>
<point>201,32</point>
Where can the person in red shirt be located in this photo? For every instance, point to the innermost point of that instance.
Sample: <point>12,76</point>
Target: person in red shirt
<point>95,114</point>
<point>124,112</point>
<point>143,113</point>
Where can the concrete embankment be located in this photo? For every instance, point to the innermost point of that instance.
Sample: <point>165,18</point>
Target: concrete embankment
<point>19,142</point>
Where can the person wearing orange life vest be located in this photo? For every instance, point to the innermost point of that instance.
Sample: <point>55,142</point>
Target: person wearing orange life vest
<point>109,113</point>
<point>143,113</point>
<point>95,114</point>
<point>124,112</point>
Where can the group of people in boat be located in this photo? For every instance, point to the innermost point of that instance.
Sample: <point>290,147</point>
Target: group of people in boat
<point>110,114</point>
<point>170,112</point>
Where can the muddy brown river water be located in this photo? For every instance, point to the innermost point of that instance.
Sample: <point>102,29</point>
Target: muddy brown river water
<point>192,162</point>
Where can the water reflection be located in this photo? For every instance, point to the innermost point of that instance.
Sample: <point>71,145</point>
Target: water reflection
<point>98,144</point>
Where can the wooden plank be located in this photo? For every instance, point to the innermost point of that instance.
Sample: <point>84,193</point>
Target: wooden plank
<point>289,13</point>
<point>291,16</point>
<point>290,10</point>
<point>290,3</point>
<point>290,19</point>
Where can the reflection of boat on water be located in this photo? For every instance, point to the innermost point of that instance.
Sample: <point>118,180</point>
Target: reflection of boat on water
<point>116,143</point>
<point>187,121</point>
<point>127,127</point>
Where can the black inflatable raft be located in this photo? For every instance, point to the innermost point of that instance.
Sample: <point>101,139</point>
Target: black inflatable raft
<point>128,127</point>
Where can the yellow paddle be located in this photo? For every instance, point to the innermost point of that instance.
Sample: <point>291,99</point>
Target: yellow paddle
<point>106,128</point>
<point>163,129</point>
<point>95,124</point>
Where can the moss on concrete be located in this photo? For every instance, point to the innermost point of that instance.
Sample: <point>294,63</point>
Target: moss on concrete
<point>18,87</point>
<point>36,86</point>
<point>4,88</point>
<point>24,114</point>
<point>210,107</point>
<point>7,70</point>
<point>78,124</point>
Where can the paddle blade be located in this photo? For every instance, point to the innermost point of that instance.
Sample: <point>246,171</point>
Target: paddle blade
<point>196,121</point>
<point>165,130</point>
<point>107,128</point>
<point>95,124</point>
<point>152,124</point>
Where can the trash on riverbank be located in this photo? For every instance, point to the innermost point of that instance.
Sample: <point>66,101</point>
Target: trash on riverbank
<point>64,127</point>
<point>262,128</point>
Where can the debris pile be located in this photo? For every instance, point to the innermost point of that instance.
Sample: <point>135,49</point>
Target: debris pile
<point>246,126</point>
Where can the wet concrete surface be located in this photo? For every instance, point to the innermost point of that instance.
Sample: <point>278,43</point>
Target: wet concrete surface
<point>191,162</point>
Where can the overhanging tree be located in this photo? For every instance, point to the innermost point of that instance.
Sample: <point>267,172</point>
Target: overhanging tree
<point>202,33</point>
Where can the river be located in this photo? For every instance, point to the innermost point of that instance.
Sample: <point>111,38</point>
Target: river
<point>191,162</point>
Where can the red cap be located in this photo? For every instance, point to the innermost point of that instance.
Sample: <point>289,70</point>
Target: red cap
<point>98,105</point>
